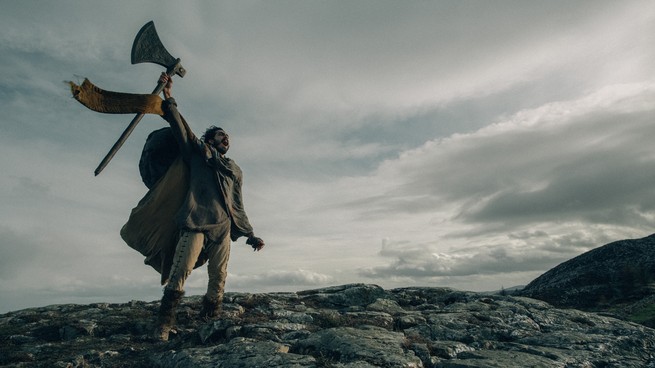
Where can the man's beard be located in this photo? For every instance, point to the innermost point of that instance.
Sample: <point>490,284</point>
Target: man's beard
<point>222,149</point>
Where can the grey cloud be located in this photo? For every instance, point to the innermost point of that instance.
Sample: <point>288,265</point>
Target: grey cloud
<point>536,252</point>
<point>610,183</point>
<point>592,166</point>
<point>576,242</point>
<point>16,251</point>
<point>603,190</point>
<point>30,187</point>
<point>291,57</point>
<point>278,278</point>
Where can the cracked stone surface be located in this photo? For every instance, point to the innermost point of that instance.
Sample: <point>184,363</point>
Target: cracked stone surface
<point>357,325</point>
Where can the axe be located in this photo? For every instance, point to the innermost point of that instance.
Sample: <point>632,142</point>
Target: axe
<point>147,48</point>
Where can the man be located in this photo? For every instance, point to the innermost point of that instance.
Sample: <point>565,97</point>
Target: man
<point>211,215</point>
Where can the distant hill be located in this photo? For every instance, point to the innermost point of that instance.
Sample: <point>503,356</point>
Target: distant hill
<point>616,277</point>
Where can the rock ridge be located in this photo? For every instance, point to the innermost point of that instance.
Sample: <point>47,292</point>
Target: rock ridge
<point>354,326</point>
<point>618,277</point>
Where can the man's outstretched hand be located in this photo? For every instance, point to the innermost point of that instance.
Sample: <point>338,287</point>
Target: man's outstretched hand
<point>256,243</point>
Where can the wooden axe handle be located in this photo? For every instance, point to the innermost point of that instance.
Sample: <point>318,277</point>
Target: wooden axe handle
<point>130,127</point>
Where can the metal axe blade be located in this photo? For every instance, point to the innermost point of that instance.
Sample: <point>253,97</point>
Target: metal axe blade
<point>147,48</point>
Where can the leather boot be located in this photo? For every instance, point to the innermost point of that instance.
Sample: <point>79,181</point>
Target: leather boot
<point>166,315</point>
<point>211,308</point>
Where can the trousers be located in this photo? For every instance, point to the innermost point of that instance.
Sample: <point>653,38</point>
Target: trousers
<point>186,254</point>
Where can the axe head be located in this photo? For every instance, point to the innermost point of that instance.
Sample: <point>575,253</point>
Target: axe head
<point>147,48</point>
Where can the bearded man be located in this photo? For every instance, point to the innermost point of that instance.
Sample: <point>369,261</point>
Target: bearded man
<point>193,208</point>
<point>211,214</point>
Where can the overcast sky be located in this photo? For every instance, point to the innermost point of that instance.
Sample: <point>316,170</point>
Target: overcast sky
<point>464,144</point>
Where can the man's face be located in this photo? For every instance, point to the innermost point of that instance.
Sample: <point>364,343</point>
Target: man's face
<point>221,141</point>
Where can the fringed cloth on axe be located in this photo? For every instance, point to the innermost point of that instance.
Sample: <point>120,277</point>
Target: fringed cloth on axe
<point>110,102</point>
<point>150,229</point>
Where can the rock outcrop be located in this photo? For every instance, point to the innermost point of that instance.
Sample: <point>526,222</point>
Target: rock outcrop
<point>616,277</point>
<point>352,326</point>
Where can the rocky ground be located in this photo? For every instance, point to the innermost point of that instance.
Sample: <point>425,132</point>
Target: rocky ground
<point>352,326</point>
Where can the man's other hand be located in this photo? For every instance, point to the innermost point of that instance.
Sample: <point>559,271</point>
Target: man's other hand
<point>256,243</point>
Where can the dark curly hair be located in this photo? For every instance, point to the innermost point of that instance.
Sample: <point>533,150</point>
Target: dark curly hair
<point>210,133</point>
